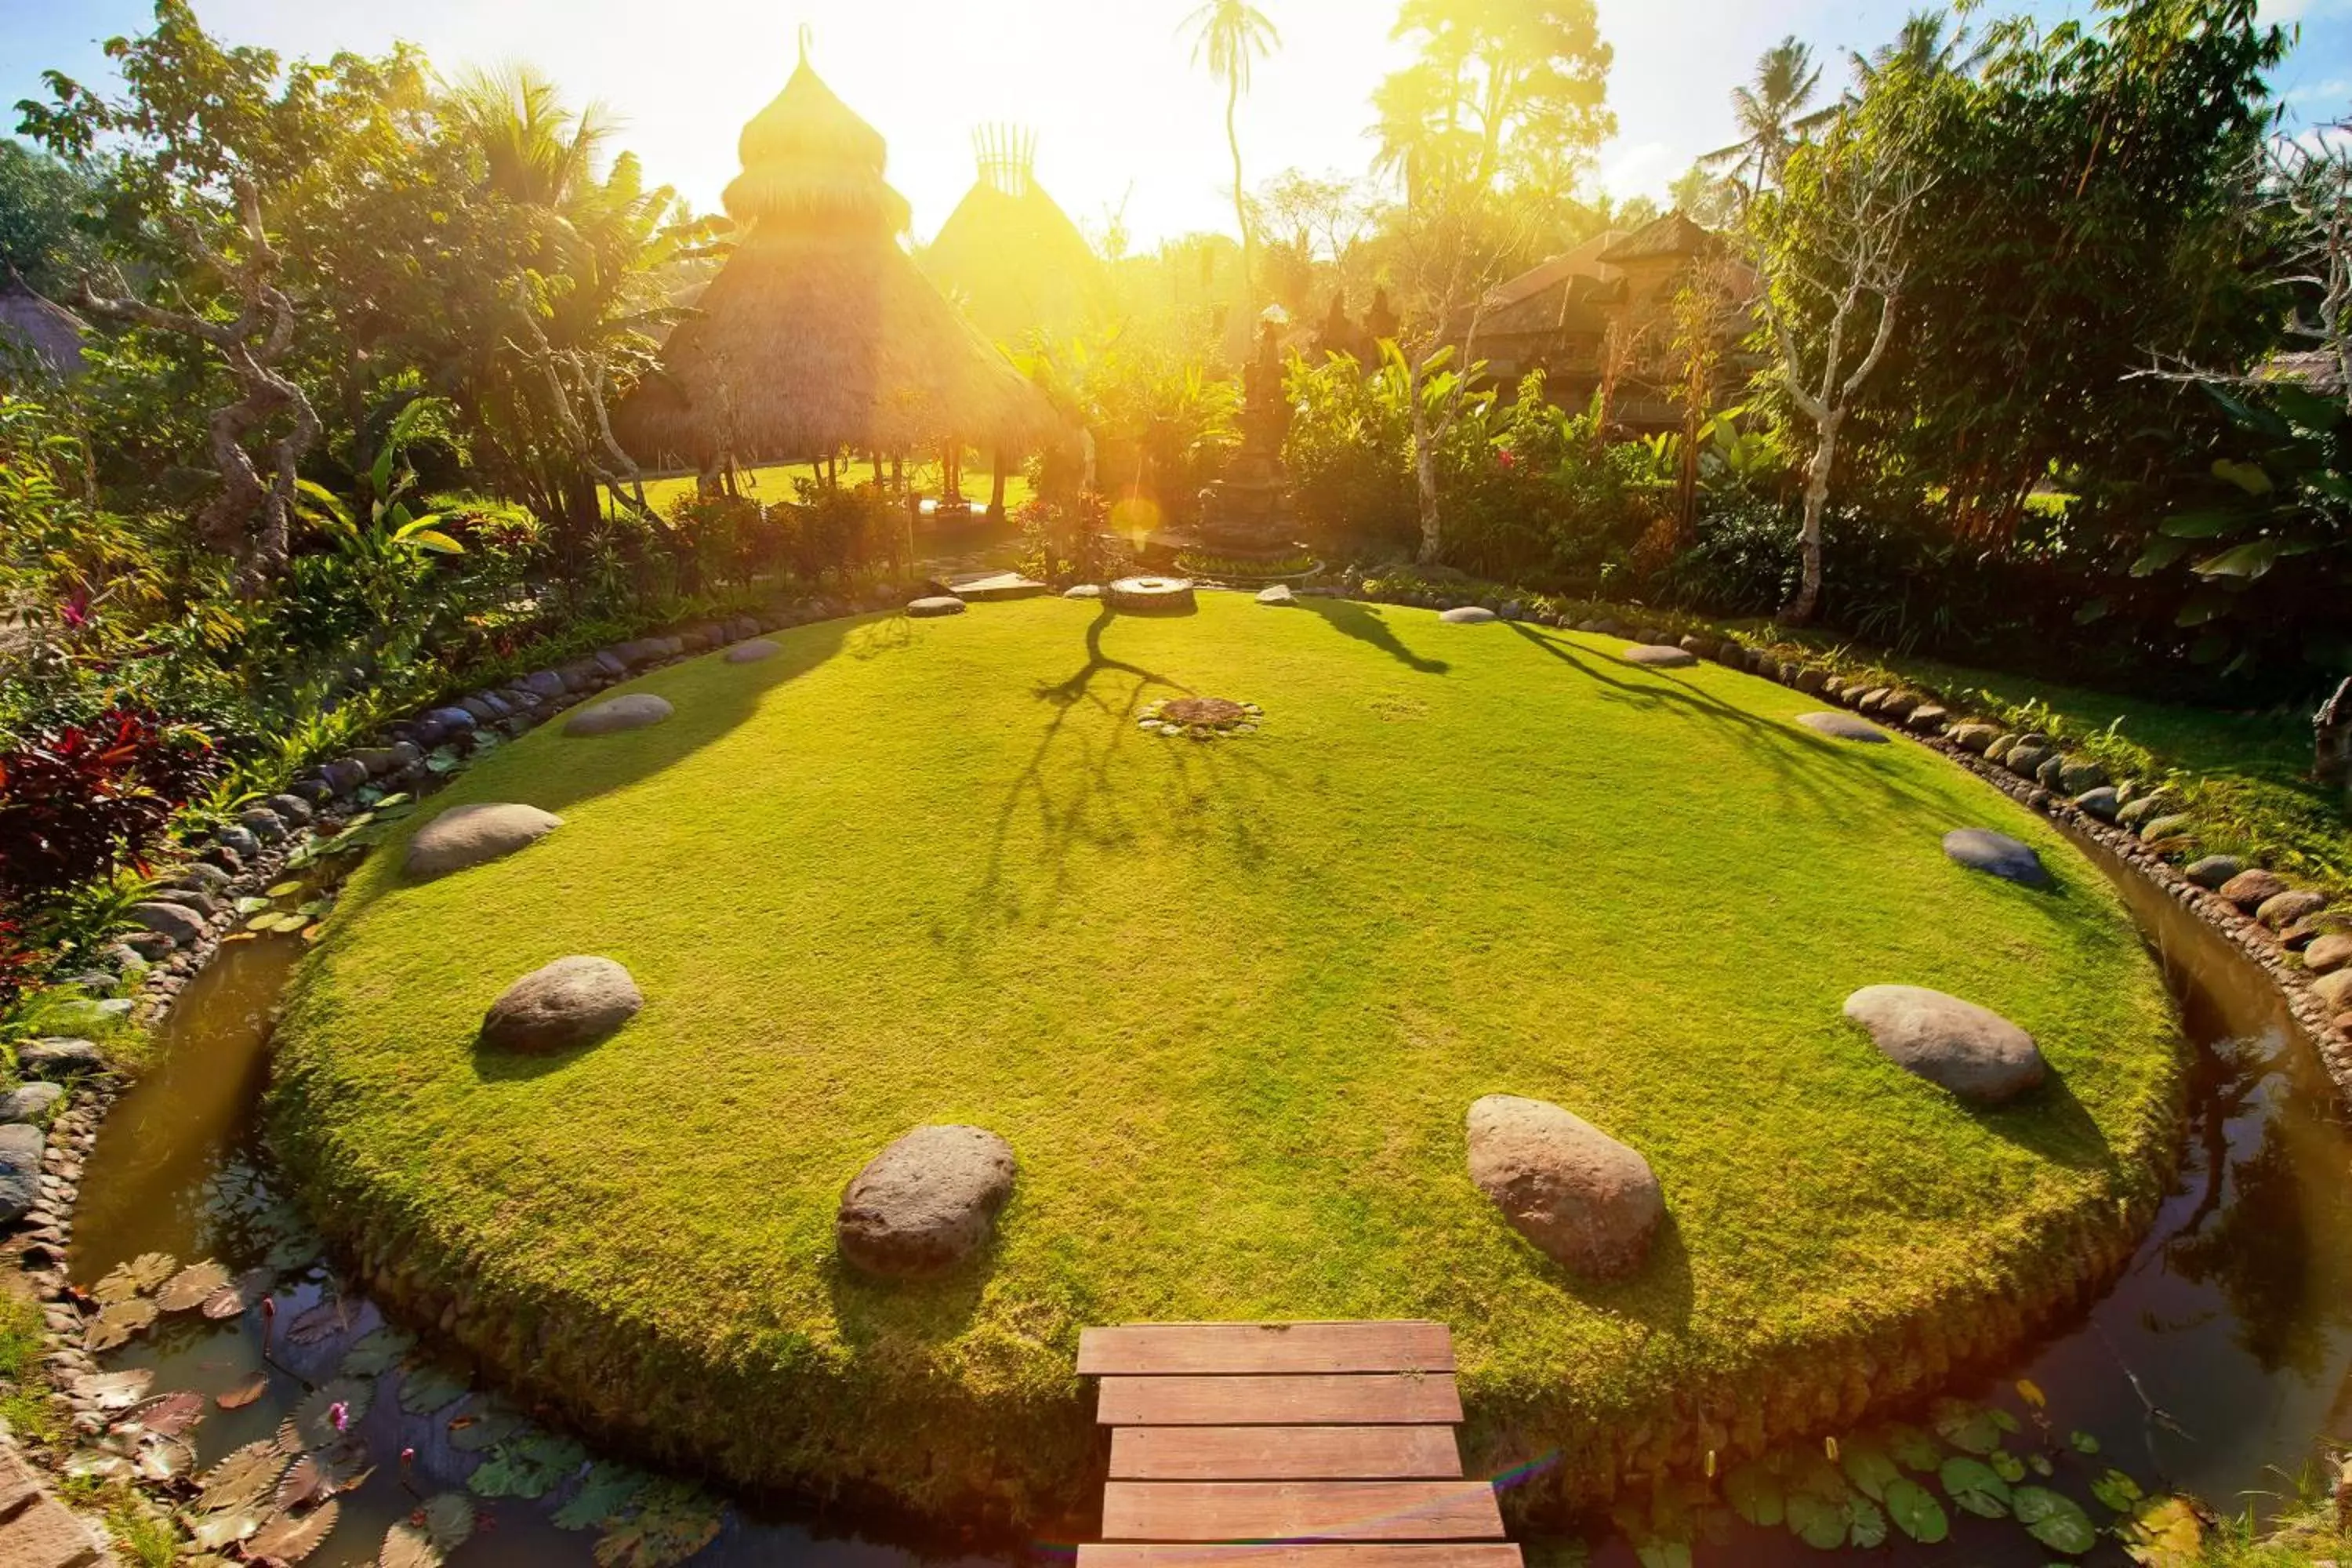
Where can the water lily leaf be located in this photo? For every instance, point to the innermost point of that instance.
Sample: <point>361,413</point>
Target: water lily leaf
<point>1754,1492</point>
<point>429,1386</point>
<point>251,905</point>
<point>136,1278</point>
<point>2031,1392</point>
<point>2039,1463</point>
<point>331,1318</point>
<point>605,1492</point>
<point>191,1287</point>
<point>1868,1466</point>
<point>226,1528</point>
<point>2117,1491</point>
<point>289,1538</point>
<point>475,1431</point>
<point>1974,1428</point>
<point>1813,1474</point>
<point>426,1537</point>
<point>329,1410</point>
<point>2055,1519</point>
<point>285,889</point>
<point>117,1323</point>
<point>161,1459</point>
<point>245,1393</point>
<point>315,1476</point>
<point>1816,1521</point>
<point>263,921</point>
<point>1916,1511</point>
<point>2006,1464</point>
<point>98,1464</point>
<point>239,1293</point>
<point>1869,1527</point>
<point>2081,1442</point>
<point>166,1414</point>
<point>1656,1552</point>
<point>1912,1449</point>
<point>1972,1484</point>
<point>2165,1533</point>
<point>672,1523</point>
<point>376,1354</point>
<point>242,1476</point>
<point>116,1390</point>
<point>529,1467</point>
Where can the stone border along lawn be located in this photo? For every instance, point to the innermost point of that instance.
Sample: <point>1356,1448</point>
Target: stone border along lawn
<point>744,1347</point>
<point>39,1237</point>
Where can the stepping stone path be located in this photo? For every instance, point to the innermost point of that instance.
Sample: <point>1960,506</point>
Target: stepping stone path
<point>572,1002</point>
<point>1982,850</point>
<point>1659,654</point>
<point>1844,727</point>
<point>1468,615</point>
<point>1974,1052</point>
<point>1587,1201</point>
<point>638,711</point>
<point>936,605</point>
<point>751,652</point>
<point>925,1203</point>
<point>1279,593</point>
<point>468,836</point>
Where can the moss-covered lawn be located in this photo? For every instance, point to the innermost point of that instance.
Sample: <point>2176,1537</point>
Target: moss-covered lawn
<point>1229,1003</point>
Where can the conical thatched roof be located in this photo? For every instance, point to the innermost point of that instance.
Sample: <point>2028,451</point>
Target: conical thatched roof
<point>1009,251</point>
<point>33,329</point>
<point>819,334</point>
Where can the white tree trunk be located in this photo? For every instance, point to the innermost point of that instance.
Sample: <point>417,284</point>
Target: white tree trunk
<point>1800,610</point>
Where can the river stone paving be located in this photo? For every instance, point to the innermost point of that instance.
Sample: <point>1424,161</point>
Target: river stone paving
<point>2214,871</point>
<point>1972,1051</point>
<point>925,1203</point>
<point>20,1170</point>
<point>2251,890</point>
<point>468,836</point>
<point>2281,911</point>
<point>751,652</point>
<point>1662,655</point>
<point>1844,727</point>
<point>572,1002</point>
<point>1982,849</point>
<point>637,710</point>
<point>936,605</point>
<point>1468,615</point>
<point>1590,1202</point>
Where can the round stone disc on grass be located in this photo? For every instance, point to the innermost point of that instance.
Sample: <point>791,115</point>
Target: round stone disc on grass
<point>637,710</point>
<point>1589,1201</point>
<point>1997,854</point>
<point>753,652</point>
<point>1151,595</point>
<point>1972,1051</point>
<point>1844,727</point>
<point>468,836</point>
<point>1660,655</point>
<point>572,1002</point>
<point>925,1203</point>
<point>1279,593</point>
<point>1468,615</point>
<point>936,605</point>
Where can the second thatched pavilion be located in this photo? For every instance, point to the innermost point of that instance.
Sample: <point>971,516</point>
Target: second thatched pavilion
<point>819,335</point>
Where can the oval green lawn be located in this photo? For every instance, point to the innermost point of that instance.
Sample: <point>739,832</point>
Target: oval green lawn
<point>1229,1003</point>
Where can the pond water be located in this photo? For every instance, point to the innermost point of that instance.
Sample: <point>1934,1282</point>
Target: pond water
<point>2212,1367</point>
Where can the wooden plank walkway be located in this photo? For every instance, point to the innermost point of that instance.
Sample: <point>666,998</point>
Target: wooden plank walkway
<point>1285,1446</point>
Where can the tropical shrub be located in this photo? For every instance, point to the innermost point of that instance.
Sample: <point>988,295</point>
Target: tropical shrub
<point>79,801</point>
<point>1064,545</point>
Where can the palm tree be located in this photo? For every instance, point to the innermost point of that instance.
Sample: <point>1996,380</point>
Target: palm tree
<point>537,153</point>
<point>1227,36</point>
<point>1772,114</point>
<point>1921,48</point>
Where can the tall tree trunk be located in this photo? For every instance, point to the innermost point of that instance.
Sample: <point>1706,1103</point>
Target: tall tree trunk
<point>996,485</point>
<point>1241,212</point>
<point>1424,475</point>
<point>1800,610</point>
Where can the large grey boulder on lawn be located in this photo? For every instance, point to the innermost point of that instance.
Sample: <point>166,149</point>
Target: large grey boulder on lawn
<point>1997,854</point>
<point>572,1002</point>
<point>1587,1201</point>
<point>635,712</point>
<point>753,652</point>
<point>20,1168</point>
<point>1972,1051</point>
<point>1844,727</point>
<point>467,836</point>
<point>1661,655</point>
<point>925,1203</point>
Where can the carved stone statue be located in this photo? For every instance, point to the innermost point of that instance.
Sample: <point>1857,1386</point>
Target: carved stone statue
<point>1245,518</point>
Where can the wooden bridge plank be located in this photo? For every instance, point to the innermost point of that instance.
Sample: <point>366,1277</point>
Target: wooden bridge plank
<point>1295,1510</point>
<point>1256,1401</point>
<point>1282,1453</point>
<point>1300,1555</point>
<point>1233,1348</point>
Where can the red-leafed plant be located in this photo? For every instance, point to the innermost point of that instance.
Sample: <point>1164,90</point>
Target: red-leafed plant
<point>78,800</point>
<point>16,965</point>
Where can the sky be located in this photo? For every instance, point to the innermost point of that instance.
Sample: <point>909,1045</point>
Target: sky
<point>1125,122</point>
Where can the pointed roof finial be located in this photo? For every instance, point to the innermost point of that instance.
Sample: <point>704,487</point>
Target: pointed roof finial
<point>807,33</point>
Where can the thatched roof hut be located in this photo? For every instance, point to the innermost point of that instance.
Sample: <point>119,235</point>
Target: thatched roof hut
<point>35,331</point>
<point>1009,251</point>
<point>819,334</point>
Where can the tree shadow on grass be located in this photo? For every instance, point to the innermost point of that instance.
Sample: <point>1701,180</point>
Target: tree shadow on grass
<point>1365,623</point>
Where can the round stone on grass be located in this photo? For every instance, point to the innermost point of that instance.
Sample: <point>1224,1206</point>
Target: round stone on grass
<point>1084,590</point>
<point>925,1203</point>
<point>468,836</point>
<point>1279,593</point>
<point>1468,615</point>
<point>1982,850</point>
<point>936,605</point>
<point>1972,1051</point>
<point>637,710</point>
<point>1844,727</point>
<point>751,652</point>
<point>572,1002</point>
<point>1589,1201</point>
<point>1659,654</point>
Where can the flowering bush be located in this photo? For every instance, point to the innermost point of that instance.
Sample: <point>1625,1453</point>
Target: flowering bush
<point>79,800</point>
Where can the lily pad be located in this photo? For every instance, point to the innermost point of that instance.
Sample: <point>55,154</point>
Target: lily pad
<point>1910,1448</point>
<point>2007,1466</point>
<point>2165,1533</point>
<point>2055,1519</point>
<point>477,1431</point>
<point>1973,1485</point>
<point>289,1538</point>
<point>329,1320</point>
<point>116,1390</point>
<point>1754,1492</point>
<point>529,1467</point>
<point>2117,1491</point>
<point>1916,1511</point>
<point>165,1415</point>
<point>285,889</point>
<point>426,1537</point>
<point>1816,1521</point>
<point>245,1393</point>
<point>240,1293</point>
<point>314,1476</point>
<point>242,1476</point>
<point>376,1354</point>
<point>1869,1527</point>
<point>136,1278</point>
<point>1974,1428</point>
<point>605,1492</point>
<point>1868,1466</point>
<point>191,1287</point>
<point>672,1521</point>
<point>330,1410</point>
<point>429,1386</point>
<point>118,1324</point>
